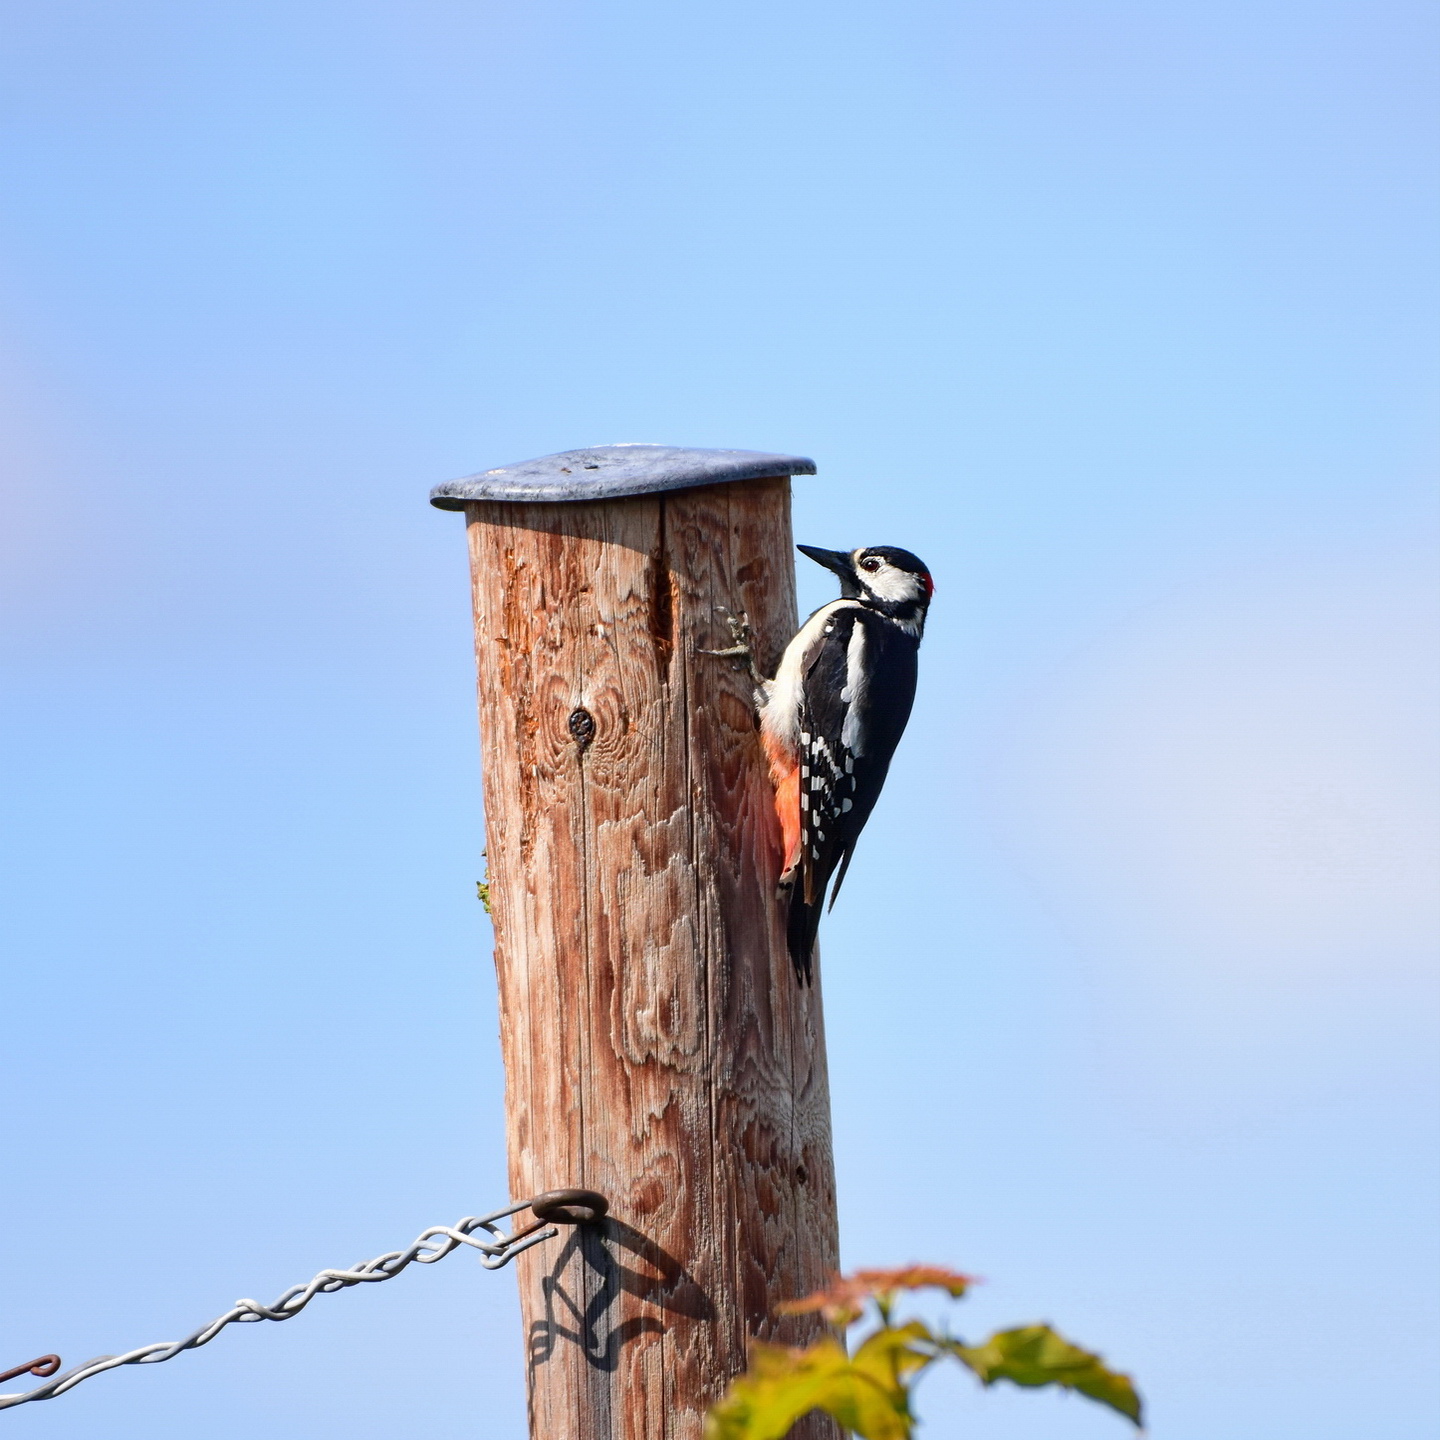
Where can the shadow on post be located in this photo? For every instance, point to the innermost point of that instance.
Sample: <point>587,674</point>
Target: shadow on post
<point>604,1275</point>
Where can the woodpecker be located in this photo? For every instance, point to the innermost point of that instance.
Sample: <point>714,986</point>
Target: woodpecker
<point>832,716</point>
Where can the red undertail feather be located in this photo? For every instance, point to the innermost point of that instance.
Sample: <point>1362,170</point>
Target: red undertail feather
<point>785,776</point>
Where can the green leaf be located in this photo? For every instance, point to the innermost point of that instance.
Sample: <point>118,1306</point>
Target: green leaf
<point>890,1354</point>
<point>482,887</point>
<point>1035,1355</point>
<point>866,1395</point>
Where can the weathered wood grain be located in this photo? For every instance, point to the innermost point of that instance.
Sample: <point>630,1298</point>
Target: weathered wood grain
<point>656,1045</point>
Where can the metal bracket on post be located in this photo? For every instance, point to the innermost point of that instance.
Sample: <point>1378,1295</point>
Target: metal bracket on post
<point>554,1207</point>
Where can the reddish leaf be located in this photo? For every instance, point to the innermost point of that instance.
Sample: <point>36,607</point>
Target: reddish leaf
<point>843,1301</point>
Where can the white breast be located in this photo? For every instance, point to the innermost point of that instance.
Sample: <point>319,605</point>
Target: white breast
<point>780,719</point>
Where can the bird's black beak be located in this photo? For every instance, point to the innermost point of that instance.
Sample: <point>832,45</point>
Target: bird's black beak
<point>837,560</point>
<point>840,562</point>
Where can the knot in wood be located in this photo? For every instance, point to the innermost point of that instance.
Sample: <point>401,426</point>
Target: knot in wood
<point>582,726</point>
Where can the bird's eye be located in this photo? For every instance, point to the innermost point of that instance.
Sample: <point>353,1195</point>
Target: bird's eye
<point>870,563</point>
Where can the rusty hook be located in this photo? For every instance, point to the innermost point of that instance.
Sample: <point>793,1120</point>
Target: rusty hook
<point>570,1207</point>
<point>46,1365</point>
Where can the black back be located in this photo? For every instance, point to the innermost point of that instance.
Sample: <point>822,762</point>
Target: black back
<point>829,830</point>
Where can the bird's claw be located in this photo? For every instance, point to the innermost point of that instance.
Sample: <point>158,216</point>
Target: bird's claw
<point>740,637</point>
<point>740,647</point>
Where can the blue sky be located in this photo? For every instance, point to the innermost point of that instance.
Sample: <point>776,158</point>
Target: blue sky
<point>1121,315</point>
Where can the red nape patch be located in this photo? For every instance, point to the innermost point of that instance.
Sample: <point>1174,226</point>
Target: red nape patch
<point>929,587</point>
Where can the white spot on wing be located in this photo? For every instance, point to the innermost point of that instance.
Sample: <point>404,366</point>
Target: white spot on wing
<point>852,732</point>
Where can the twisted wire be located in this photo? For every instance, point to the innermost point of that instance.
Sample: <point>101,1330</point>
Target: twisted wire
<point>427,1247</point>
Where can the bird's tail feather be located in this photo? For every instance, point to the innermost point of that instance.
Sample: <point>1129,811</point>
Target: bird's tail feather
<point>801,929</point>
<point>839,878</point>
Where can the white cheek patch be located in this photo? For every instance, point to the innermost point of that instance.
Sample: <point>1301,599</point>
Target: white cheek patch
<point>890,583</point>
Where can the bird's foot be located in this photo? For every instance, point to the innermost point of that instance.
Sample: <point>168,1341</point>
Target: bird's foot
<point>740,647</point>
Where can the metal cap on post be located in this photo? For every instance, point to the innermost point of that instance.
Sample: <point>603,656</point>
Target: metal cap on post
<point>656,1046</point>
<point>607,472</point>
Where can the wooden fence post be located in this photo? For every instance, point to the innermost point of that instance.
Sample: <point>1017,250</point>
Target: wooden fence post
<point>657,1047</point>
